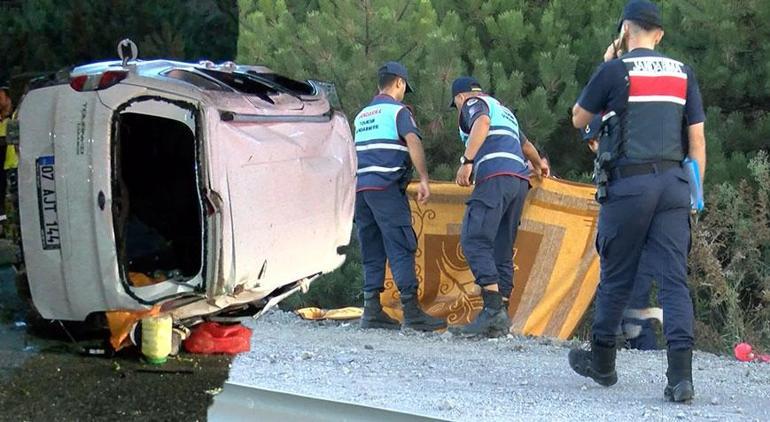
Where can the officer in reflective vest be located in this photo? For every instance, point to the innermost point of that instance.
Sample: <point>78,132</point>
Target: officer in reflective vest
<point>637,333</point>
<point>651,105</point>
<point>494,159</point>
<point>388,143</point>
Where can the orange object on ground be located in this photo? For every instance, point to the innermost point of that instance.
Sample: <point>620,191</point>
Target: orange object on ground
<point>121,323</point>
<point>341,314</point>
<point>211,338</point>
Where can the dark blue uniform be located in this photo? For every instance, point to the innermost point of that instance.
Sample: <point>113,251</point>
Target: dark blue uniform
<point>382,215</point>
<point>494,209</point>
<point>647,101</point>
<point>640,295</point>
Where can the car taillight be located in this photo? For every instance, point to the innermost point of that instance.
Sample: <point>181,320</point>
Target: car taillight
<point>109,79</point>
<point>97,81</point>
<point>78,82</point>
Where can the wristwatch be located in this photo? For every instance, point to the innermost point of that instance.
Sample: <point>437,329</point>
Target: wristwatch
<point>465,160</point>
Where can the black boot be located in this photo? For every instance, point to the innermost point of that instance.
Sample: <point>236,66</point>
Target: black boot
<point>597,363</point>
<point>373,316</point>
<point>415,318</point>
<point>491,322</point>
<point>679,374</point>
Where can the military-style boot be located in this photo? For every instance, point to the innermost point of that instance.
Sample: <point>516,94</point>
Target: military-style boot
<point>373,316</point>
<point>491,322</point>
<point>679,374</point>
<point>597,363</point>
<point>415,318</point>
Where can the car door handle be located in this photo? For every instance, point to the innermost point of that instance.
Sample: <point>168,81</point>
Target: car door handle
<point>101,200</point>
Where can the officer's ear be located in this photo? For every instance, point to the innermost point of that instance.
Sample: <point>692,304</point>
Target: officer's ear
<point>660,35</point>
<point>401,84</point>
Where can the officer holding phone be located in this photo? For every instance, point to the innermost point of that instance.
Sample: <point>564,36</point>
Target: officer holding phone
<point>647,102</point>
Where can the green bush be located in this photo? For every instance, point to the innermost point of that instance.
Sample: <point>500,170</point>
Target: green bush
<point>729,274</point>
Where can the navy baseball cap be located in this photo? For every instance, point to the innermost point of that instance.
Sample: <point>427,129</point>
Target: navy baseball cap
<point>397,69</point>
<point>643,11</point>
<point>591,130</point>
<point>463,84</point>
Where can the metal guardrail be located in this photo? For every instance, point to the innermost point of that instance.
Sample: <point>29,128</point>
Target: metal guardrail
<point>238,402</point>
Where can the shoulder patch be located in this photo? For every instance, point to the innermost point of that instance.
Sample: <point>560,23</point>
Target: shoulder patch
<point>472,101</point>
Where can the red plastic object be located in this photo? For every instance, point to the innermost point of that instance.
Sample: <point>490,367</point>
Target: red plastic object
<point>211,338</point>
<point>743,352</point>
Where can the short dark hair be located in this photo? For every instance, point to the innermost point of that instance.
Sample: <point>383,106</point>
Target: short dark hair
<point>645,26</point>
<point>386,80</point>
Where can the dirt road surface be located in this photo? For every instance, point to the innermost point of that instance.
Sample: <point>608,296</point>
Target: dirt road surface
<point>514,378</point>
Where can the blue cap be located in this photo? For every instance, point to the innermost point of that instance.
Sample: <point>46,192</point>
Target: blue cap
<point>397,69</point>
<point>642,11</point>
<point>592,129</point>
<point>463,84</point>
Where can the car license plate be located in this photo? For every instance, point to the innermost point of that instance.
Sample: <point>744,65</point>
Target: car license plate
<point>46,197</point>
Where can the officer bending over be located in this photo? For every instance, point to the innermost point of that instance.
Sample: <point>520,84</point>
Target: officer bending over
<point>494,160</point>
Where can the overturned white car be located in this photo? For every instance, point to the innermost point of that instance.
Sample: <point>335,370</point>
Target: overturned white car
<point>208,190</point>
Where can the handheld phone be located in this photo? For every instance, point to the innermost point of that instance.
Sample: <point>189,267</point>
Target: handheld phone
<point>621,46</point>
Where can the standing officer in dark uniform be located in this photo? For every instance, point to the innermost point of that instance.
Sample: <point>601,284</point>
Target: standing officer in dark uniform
<point>637,332</point>
<point>647,101</point>
<point>387,144</point>
<point>494,160</point>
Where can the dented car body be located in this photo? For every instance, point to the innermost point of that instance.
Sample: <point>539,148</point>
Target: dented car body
<point>196,188</point>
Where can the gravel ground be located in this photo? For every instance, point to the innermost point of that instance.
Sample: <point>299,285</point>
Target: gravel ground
<point>514,378</point>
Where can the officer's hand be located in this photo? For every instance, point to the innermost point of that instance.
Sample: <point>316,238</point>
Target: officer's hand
<point>423,192</point>
<point>464,175</point>
<point>545,169</point>
<point>593,145</point>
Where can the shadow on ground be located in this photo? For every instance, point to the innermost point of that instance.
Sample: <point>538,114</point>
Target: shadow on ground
<point>51,380</point>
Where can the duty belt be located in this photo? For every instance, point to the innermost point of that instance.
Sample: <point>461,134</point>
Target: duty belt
<point>621,172</point>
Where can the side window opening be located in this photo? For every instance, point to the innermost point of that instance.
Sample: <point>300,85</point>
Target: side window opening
<point>243,83</point>
<point>193,78</point>
<point>294,86</point>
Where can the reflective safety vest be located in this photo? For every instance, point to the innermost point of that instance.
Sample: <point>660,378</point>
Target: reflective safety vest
<point>651,127</point>
<point>501,151</point>
<point>11,158</point>
<point>383,157</point>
